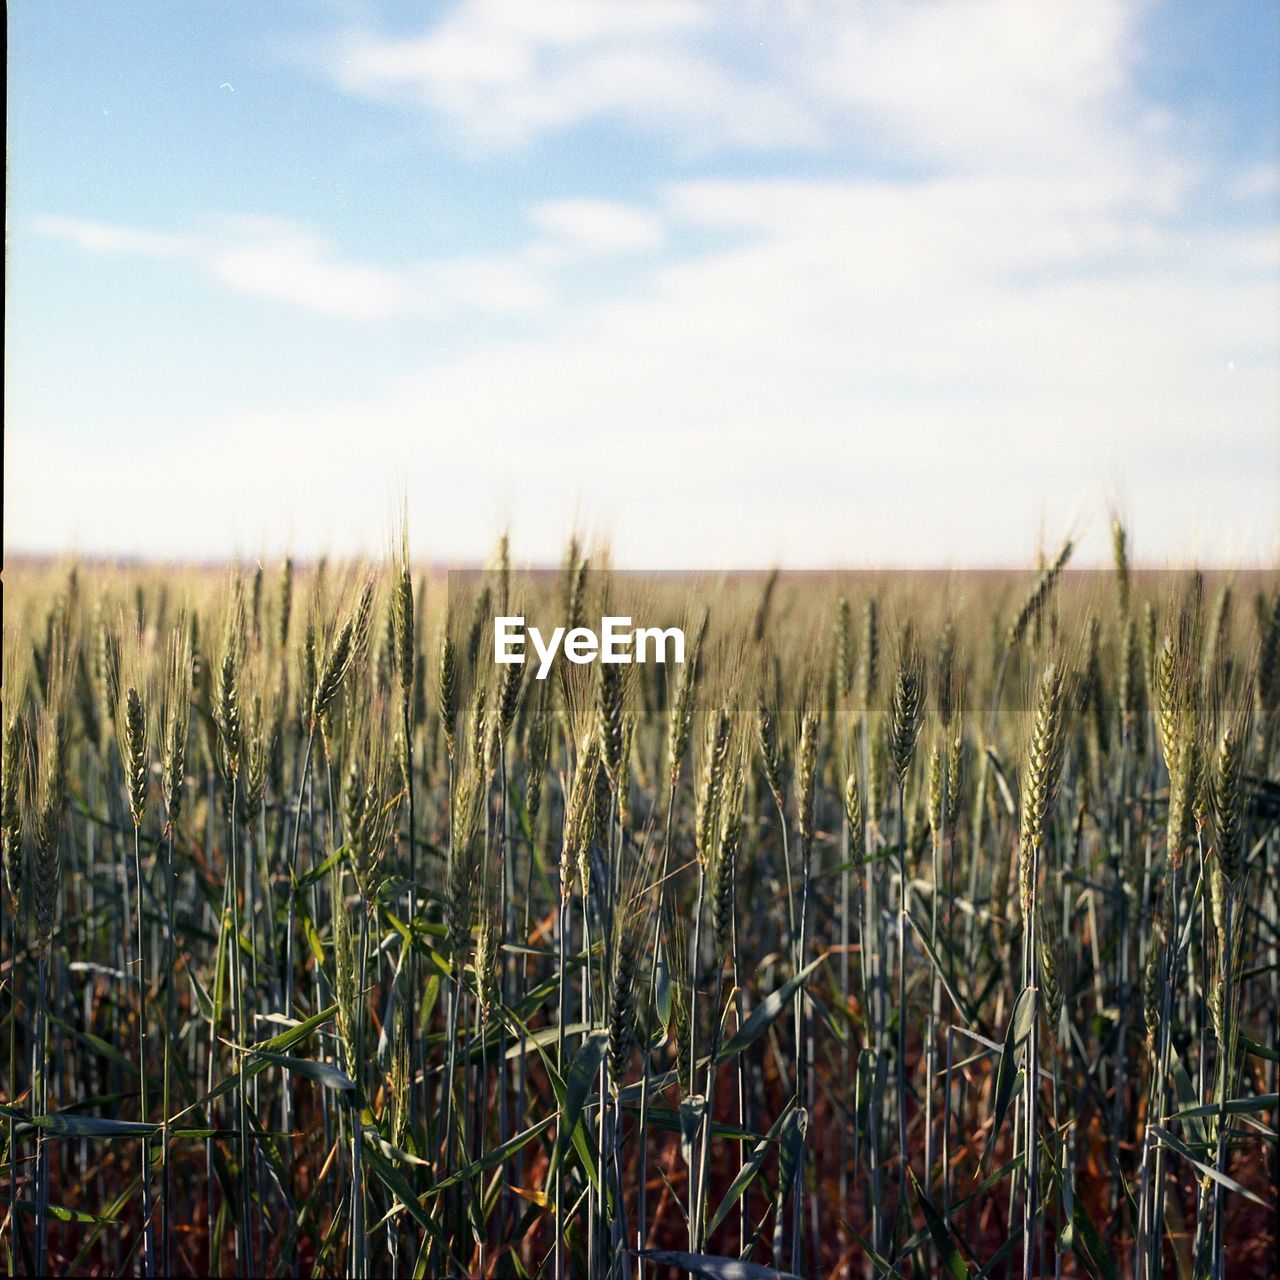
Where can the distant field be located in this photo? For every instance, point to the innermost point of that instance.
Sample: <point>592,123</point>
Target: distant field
<point>915,924</point>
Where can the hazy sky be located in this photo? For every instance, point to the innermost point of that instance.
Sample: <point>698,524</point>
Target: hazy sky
<point>733,283</point>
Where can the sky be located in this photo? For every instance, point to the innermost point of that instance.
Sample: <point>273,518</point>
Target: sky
<point>727,285</point>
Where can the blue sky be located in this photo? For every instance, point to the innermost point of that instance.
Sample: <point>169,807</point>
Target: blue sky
<point>729,284</point>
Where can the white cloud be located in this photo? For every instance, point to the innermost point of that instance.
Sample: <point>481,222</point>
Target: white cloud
<point>991,83</point>
<point>598,225</point>
<point>1001,83</point>
<point>103,237</point>
<point>261,257</point>
<point>838,369</point>
<point>503,71</point>
<point>293,264</point>
<point>861,373</point>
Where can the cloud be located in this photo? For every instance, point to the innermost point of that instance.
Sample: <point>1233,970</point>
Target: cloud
<point>998,82</point>
<point>855,372</point>
<point>503,72</point>
<point>289,263</point>
<point>260,257</point>
<point>294,264</point>
<point>999,300</point>
<point>992,83</point>
<point>598,225</point>
<point>103,237</point>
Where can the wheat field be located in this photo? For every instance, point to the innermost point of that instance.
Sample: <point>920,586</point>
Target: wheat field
<point>915,924</point>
